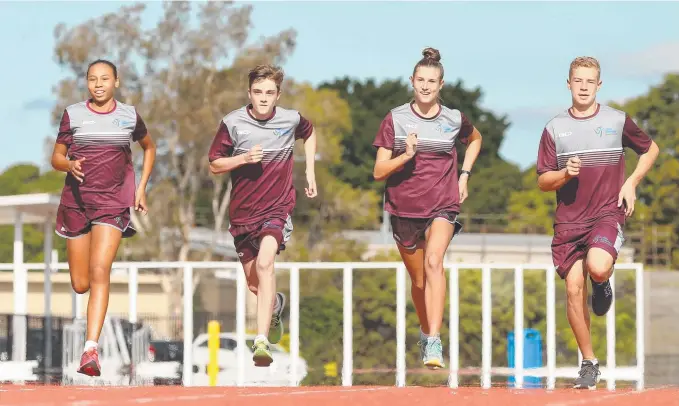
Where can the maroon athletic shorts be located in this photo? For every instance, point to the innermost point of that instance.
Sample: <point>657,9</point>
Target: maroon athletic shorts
<point>73,222</point>
<point>571,242</point>
<point>409,231</point>
<point>246,238</point>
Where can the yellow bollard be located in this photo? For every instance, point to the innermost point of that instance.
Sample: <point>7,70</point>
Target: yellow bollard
<point>330,369</point>
<point>213,350</point>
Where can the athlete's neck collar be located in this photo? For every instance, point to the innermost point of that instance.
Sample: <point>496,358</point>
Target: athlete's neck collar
<point>249,107</point>
<point>570,113</point>
<point>438,113</point>
<point>89,107</point>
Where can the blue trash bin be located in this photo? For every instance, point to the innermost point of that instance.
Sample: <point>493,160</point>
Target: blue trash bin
<point>532,357</point>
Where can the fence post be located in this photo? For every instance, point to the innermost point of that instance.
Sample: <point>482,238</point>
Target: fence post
<point>454,326</point>
<point>188,326</point>
<point>401,326</point>
<point>347,341</point>
<point>551,329</point>
<point>241,289</point>
<point>294,324</point>
<point>518,327</point>
<point>610,339</point>
<point>641,325</point>
<point>486,327</point>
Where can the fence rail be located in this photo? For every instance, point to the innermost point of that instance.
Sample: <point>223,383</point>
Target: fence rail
<point>611,372</point>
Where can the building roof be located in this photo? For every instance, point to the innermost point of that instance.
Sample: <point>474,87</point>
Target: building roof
<point>36,207</point>
<point>519,240</point>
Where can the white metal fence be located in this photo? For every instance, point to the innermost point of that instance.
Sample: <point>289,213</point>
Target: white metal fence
<point>610,372</point>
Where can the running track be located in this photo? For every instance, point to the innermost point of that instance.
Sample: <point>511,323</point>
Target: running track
<point>327,396</point>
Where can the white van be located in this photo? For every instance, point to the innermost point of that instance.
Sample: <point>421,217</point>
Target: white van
<point>277,374</point>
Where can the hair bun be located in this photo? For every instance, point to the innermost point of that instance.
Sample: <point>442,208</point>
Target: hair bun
<point>432,53</point>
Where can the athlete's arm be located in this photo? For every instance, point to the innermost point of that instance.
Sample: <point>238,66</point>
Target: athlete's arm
<point>635,138</point>
<point>149,147</point>
<point>221,150</point>
<point>473,150</point>
<point>553,180</point>
<point>60,161</point>
<point>646,161</point>
<point>550,177</point>
<point>310,152</point>
<point>385,165</point>
<point>227,164</point>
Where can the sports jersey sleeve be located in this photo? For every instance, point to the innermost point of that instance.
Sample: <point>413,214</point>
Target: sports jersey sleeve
<point>140,130</point>
<point>546,154</point>
<point>222,144</point>
<point>304,129</point>
<point>65,135</point>
<point>385,135</point>
<point>466,129</point>
<point>634,137</point>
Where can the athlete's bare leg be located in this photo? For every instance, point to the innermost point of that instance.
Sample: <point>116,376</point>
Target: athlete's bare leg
<point>414,261</point>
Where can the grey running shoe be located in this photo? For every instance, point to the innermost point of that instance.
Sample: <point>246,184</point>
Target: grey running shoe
<point>276,326</point>
<point>588,376</point>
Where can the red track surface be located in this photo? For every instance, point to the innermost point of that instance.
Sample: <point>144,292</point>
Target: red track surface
<point>326,396</point>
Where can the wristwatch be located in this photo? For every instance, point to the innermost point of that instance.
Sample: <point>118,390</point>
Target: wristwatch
<point>469,174</point>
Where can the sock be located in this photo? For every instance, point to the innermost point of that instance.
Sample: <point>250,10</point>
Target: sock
<point>594,361</point>
<point>423,337</point>
<point>260,338</point>
<point>90,344</point>
<point>276,303</point>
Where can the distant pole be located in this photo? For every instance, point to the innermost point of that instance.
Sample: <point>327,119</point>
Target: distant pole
<point>213,349</point>
<point>48,298</point>
<point>385,220</point>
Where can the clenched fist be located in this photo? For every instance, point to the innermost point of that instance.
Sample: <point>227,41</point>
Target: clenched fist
<point>411,144</point>
<point>573,166</point>
<point>254,155</point>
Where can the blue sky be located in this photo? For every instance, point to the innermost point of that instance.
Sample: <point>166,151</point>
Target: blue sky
<point>517,52</point>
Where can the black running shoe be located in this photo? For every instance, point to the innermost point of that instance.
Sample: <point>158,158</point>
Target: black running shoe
<point>602,297</point>
<point>588,376</point>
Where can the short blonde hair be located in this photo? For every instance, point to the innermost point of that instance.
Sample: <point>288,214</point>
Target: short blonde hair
<point>584,62</point>
<point>262,72</point>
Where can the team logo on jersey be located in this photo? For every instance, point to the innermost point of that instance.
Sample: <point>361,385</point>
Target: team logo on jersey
<point>444,128</point>
<point>601,131</point>
<point>122,123</point>
<point>279,132</point>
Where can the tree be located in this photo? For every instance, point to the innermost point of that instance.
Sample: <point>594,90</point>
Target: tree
<point>658,196</point>
<point>530,209</point>
<point>338,206</point>
<point>175,74</point>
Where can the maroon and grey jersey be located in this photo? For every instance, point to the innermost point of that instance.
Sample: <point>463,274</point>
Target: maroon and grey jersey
<point>261,190</point>
<point>599,141</point>
<point>427,184</point>
<point>104,140</point>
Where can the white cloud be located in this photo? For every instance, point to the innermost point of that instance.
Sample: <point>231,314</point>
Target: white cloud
<point>530,115</point>
<point>658,59</point>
